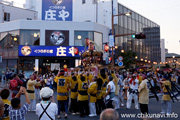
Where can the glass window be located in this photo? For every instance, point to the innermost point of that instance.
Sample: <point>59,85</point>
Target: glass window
<point>9,42</point>
<point>137,17</point>
<point>129,23</point>
<point>140,19</point>
<point>133,25</point>
<point>6,16</point>
<point>83,1</point>
<point>98,39</point>
<point>81,36</point>
<point>125,21</point>
<point>29,37</point>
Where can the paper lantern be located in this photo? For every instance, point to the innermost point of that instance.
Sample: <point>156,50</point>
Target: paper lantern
<point>106,48</point>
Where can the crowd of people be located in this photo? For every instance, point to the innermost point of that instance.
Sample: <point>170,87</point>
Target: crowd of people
<point>84,92</point>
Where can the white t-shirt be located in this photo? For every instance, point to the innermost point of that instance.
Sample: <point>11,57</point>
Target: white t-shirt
<point>132,86</point>
<point>52,110</point>
<point>112,87</point>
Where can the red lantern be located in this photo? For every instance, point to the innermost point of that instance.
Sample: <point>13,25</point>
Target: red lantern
<point>76,51</point>
<point>65,69</point>
<point>84,60</point>
<point>110,59</point>
<point>98,59</point>
<point>106,48</point>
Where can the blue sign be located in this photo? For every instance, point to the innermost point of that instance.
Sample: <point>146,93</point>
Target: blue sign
<point>120,63</point>
<point>120,58</point>
<point>116,61</point>
<point>60,10</point>
<point>50,51</point>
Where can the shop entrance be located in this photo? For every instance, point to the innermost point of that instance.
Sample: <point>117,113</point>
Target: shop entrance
<point>47,65</point>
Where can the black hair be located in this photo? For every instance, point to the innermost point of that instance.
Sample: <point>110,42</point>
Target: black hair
<point>74,78</point>
<point>99,82</point>
<point>14,75</point>
<point>15,102</point>
<point>95,78</point>
<point>110,78</point>
<point>72,73</point>
<point>102,72</point>
<point>46,99</point>
<point>5,93</point>
<point>82,78</point>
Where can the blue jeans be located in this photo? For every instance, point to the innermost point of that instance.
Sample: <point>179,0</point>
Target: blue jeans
<point>166,106</point>
<point>60,103</point>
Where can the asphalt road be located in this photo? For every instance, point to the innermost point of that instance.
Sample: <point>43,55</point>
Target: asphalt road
<point>154,107</point>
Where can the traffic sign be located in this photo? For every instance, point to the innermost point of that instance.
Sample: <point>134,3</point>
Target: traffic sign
<point>111,41</point>
<point>120,58</point>
<point>116,61</point>
<point>120,63</point>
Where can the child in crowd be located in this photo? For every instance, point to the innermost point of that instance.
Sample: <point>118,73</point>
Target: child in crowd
<point>4,95</point>
<point>16,111</point>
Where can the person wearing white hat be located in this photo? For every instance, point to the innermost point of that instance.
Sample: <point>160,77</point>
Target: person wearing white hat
<point>47,108</point>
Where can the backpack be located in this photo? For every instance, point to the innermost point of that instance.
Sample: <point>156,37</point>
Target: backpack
<point>14,83</point>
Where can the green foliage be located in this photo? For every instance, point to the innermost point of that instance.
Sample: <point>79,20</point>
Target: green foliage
<point>128,58</point>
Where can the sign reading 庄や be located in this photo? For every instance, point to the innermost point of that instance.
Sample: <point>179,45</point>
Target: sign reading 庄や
<point>54,51</point>
<point>60,10</point>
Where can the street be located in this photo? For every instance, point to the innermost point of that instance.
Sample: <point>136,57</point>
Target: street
<point>154,107</point>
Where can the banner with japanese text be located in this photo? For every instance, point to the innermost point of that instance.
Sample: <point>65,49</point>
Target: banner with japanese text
<point>50,51</point>
<point>57,10</point>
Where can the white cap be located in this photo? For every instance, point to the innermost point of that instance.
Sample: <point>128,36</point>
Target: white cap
<point>46,92</point>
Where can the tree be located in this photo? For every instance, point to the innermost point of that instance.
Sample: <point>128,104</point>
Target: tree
<point>128,58</point>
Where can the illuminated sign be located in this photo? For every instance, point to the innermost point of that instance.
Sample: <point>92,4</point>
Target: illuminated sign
<point>60,10</point>
<point>50,51</point>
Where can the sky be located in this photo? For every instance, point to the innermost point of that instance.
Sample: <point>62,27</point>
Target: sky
<point>163,12</point>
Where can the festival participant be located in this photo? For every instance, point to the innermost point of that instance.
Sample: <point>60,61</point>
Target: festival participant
<point>47,109</point>
<point>83,95</point>
<point>31,92</point>
<point>116,99</point>
<point>74,94</point>
<point>133,92</point>
<point>99,102</point>
<point>120,84</point>
<point>104,78</point>
<point>15,84</point>
<point>1,109</point>
<point>166,100</point>
<point>144,95</point>
<point>110,92</point>
<point>4,95</point>
<point>92,90</point>
<point>62,92</point>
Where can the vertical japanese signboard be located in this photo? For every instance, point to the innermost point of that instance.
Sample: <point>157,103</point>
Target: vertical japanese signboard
<point>57,10</point>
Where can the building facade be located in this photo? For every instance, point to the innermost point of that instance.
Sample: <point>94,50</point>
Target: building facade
<point>10,13</point>
<point>77,20</point>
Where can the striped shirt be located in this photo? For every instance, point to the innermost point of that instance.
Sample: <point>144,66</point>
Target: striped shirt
<point>18,114</point>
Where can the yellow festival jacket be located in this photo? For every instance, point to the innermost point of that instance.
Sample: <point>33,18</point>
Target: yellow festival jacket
<point>105,82</point>
<point>92,90</point>
<point>62,87</point>
<point>74,88</point>
<point>82,91</point>
<point>166,96</point>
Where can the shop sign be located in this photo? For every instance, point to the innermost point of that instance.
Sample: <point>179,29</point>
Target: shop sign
<point>50,51</point>
<point>57,10</point>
